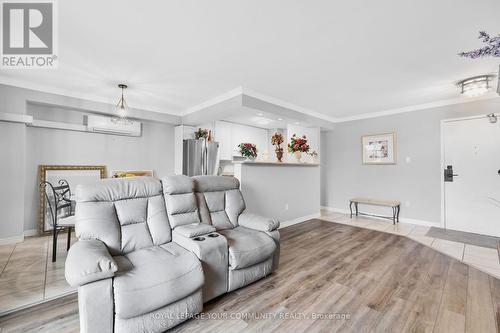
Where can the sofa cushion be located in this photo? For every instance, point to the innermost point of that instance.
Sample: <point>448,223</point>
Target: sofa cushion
<point>180,200</point>
<point>247,247</point>
<point>127,214</point>
<point>151,278</point>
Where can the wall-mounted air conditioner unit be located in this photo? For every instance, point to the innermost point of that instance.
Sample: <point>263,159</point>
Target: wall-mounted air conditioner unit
<point>117,126</point>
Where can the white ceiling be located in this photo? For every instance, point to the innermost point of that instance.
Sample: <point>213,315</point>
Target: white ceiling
<point>338,58</point>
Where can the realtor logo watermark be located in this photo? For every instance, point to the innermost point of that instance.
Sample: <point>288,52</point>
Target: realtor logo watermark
<point>28,34</point>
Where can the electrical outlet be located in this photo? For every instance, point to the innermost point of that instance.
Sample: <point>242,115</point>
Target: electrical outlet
<point>286,206</point>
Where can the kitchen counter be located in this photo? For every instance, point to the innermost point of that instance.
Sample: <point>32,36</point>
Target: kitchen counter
<point>275,163</point>
<point>287,191</point>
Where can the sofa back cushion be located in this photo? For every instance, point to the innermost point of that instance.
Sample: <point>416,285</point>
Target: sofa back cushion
<point>126,214</point>
<point>219,200</point>
<point>180,200</point>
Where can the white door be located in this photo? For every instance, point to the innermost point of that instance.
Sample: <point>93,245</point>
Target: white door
<point>472,199</point>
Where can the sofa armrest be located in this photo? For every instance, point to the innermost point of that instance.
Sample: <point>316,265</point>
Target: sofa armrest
<point>88,261</point>
<point>194,229</point>
<point>258,222</point>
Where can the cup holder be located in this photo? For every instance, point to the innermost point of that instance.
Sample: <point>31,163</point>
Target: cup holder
<point>199,239</point>
<point>213,235</point>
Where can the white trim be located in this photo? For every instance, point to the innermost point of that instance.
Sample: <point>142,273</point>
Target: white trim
<point>287,105</point>
<point>30,232</point>
<point>58,125</point>
<point>418,107</point>
<point>238,91</point>
<point>87,97</point>
<point>12,240</point>
<point>299,220</point>
<point>403,220</point>
<point>26,306</point>
<point>244,91</point>
<point>441,171</point>
<point>16,118</point>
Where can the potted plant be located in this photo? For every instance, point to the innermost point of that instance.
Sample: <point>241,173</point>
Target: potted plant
<point>277,140</point>
<point>201,133</point>
<point>248,150</point>
<point>297,146</point>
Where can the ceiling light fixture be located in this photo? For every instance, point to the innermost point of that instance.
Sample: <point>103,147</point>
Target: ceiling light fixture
<point>280,119</point>
<point>121,106</point>
<point>475,86</point>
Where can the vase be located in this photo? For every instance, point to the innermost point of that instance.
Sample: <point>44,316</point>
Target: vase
<point>279,154</point>
<point>298,155</point>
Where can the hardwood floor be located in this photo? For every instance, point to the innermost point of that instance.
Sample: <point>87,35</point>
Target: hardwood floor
<point>28,275</point>
<point>381,282</point>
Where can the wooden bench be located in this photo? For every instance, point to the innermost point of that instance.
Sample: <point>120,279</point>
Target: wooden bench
<point>395,205</point>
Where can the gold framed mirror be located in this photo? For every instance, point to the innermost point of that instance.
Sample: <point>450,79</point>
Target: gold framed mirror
<point>74,175</point>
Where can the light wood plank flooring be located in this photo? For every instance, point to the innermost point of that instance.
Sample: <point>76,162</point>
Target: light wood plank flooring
<point>383,282</point>
<point>483,258</point>
<point>28,275</point>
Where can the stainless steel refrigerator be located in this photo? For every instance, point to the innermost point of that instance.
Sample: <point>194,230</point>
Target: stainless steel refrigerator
<point>200,157</point>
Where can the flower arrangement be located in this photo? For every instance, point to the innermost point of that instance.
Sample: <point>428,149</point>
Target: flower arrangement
<point>201,133</point>
<point>298,144</point>
<point>248,150</point>
<point>314,154</point>
<point>492,47</point>
<point>276,140</point>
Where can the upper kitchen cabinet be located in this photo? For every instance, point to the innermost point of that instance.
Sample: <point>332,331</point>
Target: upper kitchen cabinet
<point>230,135</point>
<point>223,137</point>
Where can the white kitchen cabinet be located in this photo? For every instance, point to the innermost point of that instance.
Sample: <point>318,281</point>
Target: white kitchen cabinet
<point>223,137</point>
<point>230,135</point>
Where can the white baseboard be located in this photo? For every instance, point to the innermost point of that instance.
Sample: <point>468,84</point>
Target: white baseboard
<point>30,232</point>
<point>401,219</point>
<point>299,220</point>
<point>12,240</point>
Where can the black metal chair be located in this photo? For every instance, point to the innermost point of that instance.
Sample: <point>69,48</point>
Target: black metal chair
<point>58,202</point>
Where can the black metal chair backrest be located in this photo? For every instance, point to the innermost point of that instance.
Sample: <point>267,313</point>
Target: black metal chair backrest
<point>58,200</point>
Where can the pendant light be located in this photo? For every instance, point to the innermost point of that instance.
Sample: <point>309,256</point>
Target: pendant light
<point>121,106</point>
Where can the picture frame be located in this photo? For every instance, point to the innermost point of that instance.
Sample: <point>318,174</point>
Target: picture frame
<point>379,149</point>
<point>131,173</point>
<point>73,174</point>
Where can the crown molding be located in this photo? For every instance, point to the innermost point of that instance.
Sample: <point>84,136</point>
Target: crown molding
<point>88,97</point>
<point>214,101</point>
<point>241,91</point>
<point>418,107</point>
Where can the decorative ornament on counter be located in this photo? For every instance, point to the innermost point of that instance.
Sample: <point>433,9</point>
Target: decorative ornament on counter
<point>277,140</point>
<point>201,133</point>
<point>297,146</point>
<point>248,150</point>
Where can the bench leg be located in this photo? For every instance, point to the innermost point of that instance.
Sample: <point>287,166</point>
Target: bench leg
<point>350,207</point>
<point>356,206</point>
<point>394,210</point>
<point>397,213</point>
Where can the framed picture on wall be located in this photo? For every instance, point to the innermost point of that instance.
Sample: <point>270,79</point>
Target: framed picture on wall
<point>379,148</point>
<point>57,176</point>
<point>132,173</point>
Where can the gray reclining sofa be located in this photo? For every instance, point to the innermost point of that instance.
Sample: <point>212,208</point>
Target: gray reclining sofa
<point>150,253</point>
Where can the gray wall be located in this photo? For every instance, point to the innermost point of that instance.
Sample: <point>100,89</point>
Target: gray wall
<point>417,183</point>
<point>152,151</point>
<point>23,148</point>
<point>268,188</point>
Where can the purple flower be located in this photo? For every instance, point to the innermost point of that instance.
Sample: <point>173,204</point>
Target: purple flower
<point>491,49</point>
